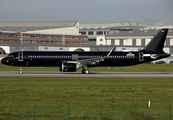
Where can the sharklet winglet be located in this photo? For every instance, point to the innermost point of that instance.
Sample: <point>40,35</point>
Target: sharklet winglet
<point>111,51</point>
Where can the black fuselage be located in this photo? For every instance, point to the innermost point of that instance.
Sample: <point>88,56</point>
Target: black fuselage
<point>30,58</point>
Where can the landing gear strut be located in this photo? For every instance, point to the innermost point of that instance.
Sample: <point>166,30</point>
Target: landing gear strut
<point>85,70</point>
<point>21,70</point>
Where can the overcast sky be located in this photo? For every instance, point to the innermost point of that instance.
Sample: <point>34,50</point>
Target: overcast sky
<point>150,12</point>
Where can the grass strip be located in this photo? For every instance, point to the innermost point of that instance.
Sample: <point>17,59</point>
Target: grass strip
<point>85,97</point>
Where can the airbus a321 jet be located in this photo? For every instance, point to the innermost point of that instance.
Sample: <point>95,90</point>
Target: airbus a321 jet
<point>71,61</point>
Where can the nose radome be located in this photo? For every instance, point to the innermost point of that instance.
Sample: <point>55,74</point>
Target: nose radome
<point>3,61</point>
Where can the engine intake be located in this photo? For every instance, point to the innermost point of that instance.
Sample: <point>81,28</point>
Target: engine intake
<point>68,67</point>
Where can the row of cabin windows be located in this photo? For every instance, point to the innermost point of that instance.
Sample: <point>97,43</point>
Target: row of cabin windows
<point>122,56</point>
<point>34,56</point>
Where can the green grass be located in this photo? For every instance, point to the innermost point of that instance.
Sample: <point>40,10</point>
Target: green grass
<point>135,68</point>
<point>3,55</point>
<point>87,97</point>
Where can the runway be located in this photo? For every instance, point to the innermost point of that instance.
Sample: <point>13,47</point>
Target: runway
<point>79,74</point>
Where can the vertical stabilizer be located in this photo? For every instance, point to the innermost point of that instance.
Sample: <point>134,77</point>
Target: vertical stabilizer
<point>157,43</point>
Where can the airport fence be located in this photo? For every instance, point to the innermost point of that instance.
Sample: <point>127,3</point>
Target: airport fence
<point>95,111</point>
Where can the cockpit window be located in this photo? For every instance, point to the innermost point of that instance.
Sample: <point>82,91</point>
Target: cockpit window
<point>10,56</point>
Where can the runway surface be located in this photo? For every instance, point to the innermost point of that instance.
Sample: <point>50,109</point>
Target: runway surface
<point>79,74</point>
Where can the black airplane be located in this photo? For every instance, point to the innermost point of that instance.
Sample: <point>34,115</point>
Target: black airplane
<point>71,61</point>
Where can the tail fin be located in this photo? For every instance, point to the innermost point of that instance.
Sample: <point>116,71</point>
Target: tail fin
<point>157,43</point>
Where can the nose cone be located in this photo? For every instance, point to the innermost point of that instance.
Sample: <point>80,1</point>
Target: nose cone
<point>3,61</point>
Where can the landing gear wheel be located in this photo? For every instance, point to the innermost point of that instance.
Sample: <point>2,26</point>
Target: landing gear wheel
<point>85,71</point>
<point>21,70</point>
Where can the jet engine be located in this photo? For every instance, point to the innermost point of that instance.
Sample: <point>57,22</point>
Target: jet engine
<point>68,67</point>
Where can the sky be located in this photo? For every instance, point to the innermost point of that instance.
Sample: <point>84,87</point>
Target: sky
<point>149,12</point>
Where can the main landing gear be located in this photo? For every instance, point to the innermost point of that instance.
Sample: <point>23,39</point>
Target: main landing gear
<point>21,70</point>
<point>85,70</point>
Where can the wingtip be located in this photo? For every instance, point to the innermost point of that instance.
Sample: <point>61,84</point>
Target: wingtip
<point>111,51</point>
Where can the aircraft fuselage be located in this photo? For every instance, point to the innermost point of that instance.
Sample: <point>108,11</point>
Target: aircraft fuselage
<point>27,58</point>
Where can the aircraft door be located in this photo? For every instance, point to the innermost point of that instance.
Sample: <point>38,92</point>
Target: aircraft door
<point>141,56</point>
<point>20,56</point>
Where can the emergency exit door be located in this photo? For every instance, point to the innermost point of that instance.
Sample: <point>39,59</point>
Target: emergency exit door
<point>20,56</point>
<point>141,56</point>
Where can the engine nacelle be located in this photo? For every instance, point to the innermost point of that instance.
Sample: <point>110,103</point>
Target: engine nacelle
<point>68,67</point>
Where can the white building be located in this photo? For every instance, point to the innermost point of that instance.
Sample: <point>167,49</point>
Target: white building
<point>134,40</point>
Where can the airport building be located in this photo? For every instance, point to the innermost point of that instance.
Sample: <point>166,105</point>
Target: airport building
<point>72,36</point>
<point>134,39</point>
<point>124,36</point>
<point>30,34</point>
<point>96,30</point>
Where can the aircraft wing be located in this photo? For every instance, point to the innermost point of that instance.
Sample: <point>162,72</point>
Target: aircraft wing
<point>90,61</point>
<point>95,60</point>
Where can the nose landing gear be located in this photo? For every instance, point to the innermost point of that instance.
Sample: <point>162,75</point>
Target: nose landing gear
<point>21,70</point>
